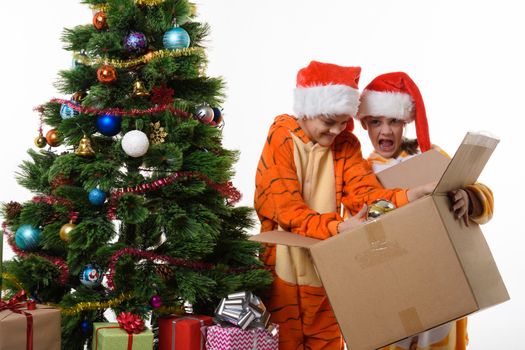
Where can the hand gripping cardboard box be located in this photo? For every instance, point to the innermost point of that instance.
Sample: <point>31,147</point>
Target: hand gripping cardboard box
<point>415,267</point>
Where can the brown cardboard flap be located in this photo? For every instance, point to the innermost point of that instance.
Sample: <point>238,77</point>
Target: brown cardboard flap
<point>285,238</point>
<point>468,162</point>
<point>418,170</point>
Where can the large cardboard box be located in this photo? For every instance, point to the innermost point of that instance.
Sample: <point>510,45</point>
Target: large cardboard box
<point>413,268</point>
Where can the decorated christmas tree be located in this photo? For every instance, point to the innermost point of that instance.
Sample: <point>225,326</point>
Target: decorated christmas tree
<point>133,208</point>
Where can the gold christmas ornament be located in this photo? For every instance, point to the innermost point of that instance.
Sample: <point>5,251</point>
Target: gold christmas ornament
<point>139,90</point>
<point>40,141</point>
<point>378,208</point>
<point>84,148</point>
<point>158,133</point>
<point>65,230</point>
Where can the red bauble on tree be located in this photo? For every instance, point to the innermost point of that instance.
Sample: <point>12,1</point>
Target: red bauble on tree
<point>100,20</point>
<point>53,138</point>
<point>106,74</point>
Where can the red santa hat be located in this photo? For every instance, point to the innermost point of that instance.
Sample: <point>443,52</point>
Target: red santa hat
<point>395,95</point>
<point>326,89</point>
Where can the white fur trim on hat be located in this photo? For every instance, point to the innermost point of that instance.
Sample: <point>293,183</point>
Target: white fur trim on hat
<point>386,104</point>
<point>314,101</point>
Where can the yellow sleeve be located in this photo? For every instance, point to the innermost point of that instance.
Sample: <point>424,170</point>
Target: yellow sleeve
<point>482,200</point>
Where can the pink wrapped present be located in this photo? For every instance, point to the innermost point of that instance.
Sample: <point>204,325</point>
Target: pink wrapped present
<point>228,338</point>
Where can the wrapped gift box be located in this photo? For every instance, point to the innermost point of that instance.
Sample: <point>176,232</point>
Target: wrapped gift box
<point>45,329</point>
<point>227,338</point>
<point>186,332</point>
<point>109,336</point>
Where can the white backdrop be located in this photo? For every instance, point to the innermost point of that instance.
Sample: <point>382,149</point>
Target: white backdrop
<point>467,58</point>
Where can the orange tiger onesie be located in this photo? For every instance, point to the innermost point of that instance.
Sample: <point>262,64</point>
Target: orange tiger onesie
<point>300,187</point>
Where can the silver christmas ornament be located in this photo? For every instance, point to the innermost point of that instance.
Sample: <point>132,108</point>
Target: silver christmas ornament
<point>204,113</point>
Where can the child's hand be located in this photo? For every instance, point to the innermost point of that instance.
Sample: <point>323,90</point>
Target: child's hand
<point>460,204</point>
<point>354,221</point>
<point>421,191</point>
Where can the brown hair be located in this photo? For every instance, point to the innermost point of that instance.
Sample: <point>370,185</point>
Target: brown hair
<point>410,146</point>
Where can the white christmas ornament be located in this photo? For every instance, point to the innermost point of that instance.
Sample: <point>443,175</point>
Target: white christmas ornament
<point>135,143</point>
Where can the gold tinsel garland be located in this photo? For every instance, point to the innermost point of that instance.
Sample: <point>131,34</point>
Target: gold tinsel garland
<point>149,2</point>
<point>140,60</point>
<point>193,9</point>
<point>99,7</point>
<point>105,7</point>
<point>8,277</point>
<point>177,310</point>
<point>95,305</point>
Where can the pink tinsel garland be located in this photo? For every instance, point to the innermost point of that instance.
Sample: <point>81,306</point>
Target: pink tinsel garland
<point>227,190</point>
<point>117,111</point>
<point>151,256</point>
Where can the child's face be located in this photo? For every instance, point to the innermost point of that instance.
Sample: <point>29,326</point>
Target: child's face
<point>386,134</point>
<point>323,130</point>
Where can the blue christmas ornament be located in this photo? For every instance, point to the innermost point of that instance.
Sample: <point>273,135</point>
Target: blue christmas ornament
<point>135,42</point>
<point>86,327</point>
<point>91,276</point>
<point>28,237</point>
<point>217,116</point>
<point>176,38</point>
<point>67,112</point>
<point>108,124</point>
<point>97,196</point>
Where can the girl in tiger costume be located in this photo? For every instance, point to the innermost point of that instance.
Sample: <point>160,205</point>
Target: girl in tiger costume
<point>310,166</point>
<point>388,103</point>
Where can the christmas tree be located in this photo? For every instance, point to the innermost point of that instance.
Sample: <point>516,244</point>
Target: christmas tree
<point>133,208</point>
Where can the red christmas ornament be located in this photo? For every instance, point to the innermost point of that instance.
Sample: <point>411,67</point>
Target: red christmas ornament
<point>53,138</point>
<point>106,74</point>
<point>100,20</point>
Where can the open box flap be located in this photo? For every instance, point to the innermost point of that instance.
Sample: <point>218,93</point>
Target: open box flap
<point>416,171</point>
<point>285,238</point>
<point>468,162</point>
